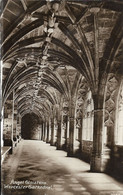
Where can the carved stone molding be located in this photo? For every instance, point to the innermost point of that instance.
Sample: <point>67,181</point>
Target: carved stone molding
<point>120,102</point>
<point>110,101</point>
<point>81,95</point>
<point>78,123</point>
<point>65,108</point>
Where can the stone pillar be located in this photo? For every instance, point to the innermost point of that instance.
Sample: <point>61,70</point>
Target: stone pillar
<point>45,137</point>
<point>48,132</point>
<point>42,130</point>
<point>1,106</point>
<point>67,133</point>
<point>97,152</point>
<point>78,126</point>
<point>65,124</point>
<point>98,98</point>
<point>71,127</point>
<point>71,137</point>
<point>1,127</point>
<point>64,132</point>
<point>12,119</point>
<point>14,122</point>
<point>18,128</point>
<point>59,135</point>
<point>55,131</point>
<point>52,132</point>
<point>78,135</point>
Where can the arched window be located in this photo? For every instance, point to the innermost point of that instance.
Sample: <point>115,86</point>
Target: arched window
<point>119,118</point>
<point>88,117</point>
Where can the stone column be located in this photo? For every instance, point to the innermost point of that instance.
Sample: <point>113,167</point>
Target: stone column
<point>78,126</point>
<point>55,131</point>
<point>64,132</point>
<point>98,98</point>
<point>1,106</point>
<point>48,132</point>
<point>45,137</point>
<point>97,151</point>
<point>44,131</point>
<point>65,124</point>
<point>81,134</point>
<point>52,132</point>
<point>71,137</point>
<point>40,127</point>
<point>96,159</point>
<point>67,133</point>
<point>71,128</point>
<point>1,127</point>
<point>18,128</point>
<point>78,145</point>
<point>14,122</point>
<point>12,118</point>
<point>59,134</point>
<point>50,129</point>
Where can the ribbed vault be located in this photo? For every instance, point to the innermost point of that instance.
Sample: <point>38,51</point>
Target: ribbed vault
<point>47,45</point>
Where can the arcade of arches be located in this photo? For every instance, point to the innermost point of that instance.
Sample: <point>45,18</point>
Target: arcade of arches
<point>62,78</point>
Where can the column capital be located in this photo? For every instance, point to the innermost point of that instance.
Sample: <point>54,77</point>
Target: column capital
<point>94,9</point>
<point>98,110</point>
<point>71,118</point>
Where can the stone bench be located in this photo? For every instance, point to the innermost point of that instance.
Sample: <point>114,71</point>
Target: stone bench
<point>5,151</point>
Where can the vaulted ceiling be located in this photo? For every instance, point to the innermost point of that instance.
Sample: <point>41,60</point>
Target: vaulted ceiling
<point>48,45</point>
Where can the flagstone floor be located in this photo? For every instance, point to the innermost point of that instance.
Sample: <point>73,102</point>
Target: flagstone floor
<point>36,168</point>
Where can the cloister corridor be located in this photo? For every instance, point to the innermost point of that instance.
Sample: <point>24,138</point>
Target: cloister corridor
<point>56,174</point>
<point>61,97</point>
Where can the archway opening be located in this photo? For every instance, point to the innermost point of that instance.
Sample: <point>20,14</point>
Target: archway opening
<point>30,127</point>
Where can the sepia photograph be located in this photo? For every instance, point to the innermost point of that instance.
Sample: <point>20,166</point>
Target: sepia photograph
<point>61,97</point>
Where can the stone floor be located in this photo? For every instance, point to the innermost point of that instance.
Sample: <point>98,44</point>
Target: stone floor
<point>36,168</point>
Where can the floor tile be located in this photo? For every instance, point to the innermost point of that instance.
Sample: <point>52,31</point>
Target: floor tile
<point>38,161</point>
